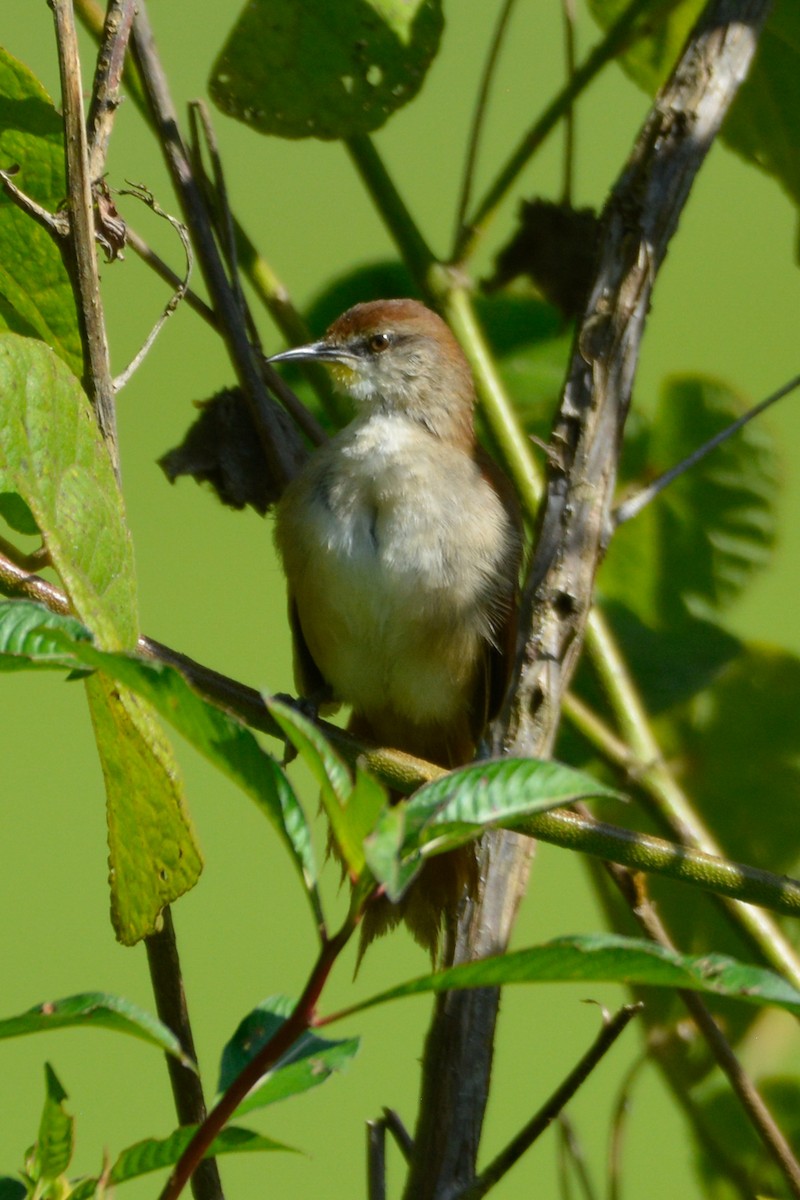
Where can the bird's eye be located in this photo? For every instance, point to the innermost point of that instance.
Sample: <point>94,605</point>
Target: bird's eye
<point>379,342</point>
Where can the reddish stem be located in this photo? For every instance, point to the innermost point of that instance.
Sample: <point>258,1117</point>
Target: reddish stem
<point>300,1019</point>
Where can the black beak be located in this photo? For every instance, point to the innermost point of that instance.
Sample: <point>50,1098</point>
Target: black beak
<point>315,352</point>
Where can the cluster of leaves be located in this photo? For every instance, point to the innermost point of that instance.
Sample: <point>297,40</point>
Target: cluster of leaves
<point>665,587</point>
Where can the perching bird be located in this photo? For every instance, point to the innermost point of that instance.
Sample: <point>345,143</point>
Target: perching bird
<point>401,545</point>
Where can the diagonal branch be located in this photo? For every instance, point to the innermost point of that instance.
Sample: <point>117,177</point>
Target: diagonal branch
<point>638,223</point>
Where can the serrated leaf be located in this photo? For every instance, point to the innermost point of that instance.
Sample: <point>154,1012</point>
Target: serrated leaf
<point>441,815</point>
<point>53,455</point>
<point>695,548</point>
<point>308,1063</point>
<point>607,958</point>
<point>325,68</point>
<point>219,736</point>
<point>153,856</point>
<point>55,1143</point>
<point>764,122</point>
<point>96,1010</point>
<point>332,775</point>
<point>26,640</point>
<point>35,292</point>
<point>154,1154</point>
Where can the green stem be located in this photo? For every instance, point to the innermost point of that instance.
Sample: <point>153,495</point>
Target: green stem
<point>511,440</point>
<point>668,802</point>
<point>392,209</point>
<point>616,39</point>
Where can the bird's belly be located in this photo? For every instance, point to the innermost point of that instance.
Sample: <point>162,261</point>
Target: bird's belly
<point>383,619</point>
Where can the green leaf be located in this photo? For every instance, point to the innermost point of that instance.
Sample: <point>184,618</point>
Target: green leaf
<point>452,810</point>
<point>325,68</point>
<point>308,1063</point>
<point>53,455</point>
<point>607,958</point>
<point>695,548</point>
<point>153,855</point>
<point>35,293</point>
<point>220,737</point>
<point>96,1010</point>
<point>56,1140</point>
<point>333,777</point>
<point>764,122</point>
<point>26,639</point>
<point>156,1154</point>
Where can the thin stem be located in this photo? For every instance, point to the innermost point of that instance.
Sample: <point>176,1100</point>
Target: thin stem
<point>108,76</point>
<point>376,1160</point>
<point>80,255</point>
<point>756,1110</point>
<point>479,115</point>
<point>187,1090</point>
<point>621,33</point>
<point>618,1124</point>
<point>568,9</point>
<point>300,1019</point>
<point>391,207</point>
<point>634,504</point>
<point>534,1128</point>
<point>666,799</point>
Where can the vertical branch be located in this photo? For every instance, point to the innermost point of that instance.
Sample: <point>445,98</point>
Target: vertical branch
<point>187,1090</point>
<point>107,79</point>
<point>80,251</point>
<point>638,223</point>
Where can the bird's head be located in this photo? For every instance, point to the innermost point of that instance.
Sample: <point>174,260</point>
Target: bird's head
<point>396,356</point>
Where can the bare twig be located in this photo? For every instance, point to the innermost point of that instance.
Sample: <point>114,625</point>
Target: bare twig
<point>511,1154</point>
<point>56,224</point>
<point>568,9</point>
<point>479,115</point>
<point>80,254</point>
<point>576,1155</point>
<point>187,1090</point>
<point>143,194</point>
<point>376,1160</point>
<point>634,504</point>
<point>618,1122</point>
<point>107,79</point>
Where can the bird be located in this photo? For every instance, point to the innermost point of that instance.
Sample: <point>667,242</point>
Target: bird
<point>401,542</point>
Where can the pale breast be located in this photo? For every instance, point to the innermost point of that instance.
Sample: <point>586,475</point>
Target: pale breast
<point>394,545</point>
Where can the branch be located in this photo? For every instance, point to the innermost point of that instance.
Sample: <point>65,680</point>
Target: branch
<point>512,1153</point>
<point>80,256</point>
<point>187,1089</point>
<point>560,827</point>
<point>639,221</point>
<point>107,78</point>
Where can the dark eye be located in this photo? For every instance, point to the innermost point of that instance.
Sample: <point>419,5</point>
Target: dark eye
<point>379,342</point>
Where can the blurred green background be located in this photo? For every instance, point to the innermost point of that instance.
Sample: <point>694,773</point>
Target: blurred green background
<point>726,303</point>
